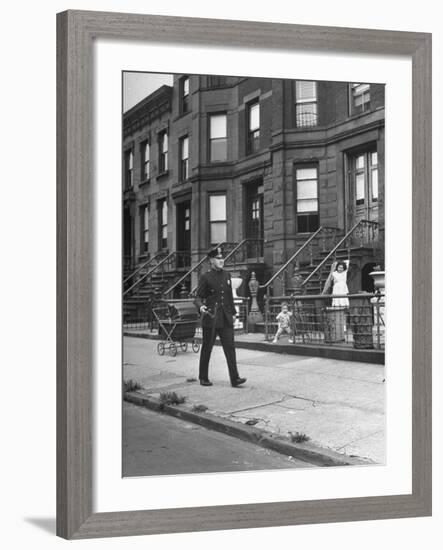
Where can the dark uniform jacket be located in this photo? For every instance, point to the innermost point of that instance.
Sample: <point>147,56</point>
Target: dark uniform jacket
<point>215,292</point>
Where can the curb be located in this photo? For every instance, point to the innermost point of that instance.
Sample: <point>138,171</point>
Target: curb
<point>301,451</point>
<point>376,357</point>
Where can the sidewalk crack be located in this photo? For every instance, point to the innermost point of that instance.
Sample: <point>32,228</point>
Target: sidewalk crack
<point>260,406</point>
<point>359,439</point>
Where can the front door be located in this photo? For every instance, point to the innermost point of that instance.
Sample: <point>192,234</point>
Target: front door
<point>184,234</point>
<point>128,260</point>
<point>362,187</point>
<point>254,220</point>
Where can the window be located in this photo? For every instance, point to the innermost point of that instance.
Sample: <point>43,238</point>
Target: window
<point>216,81</point>
<point>217,219</point>
<point>163,151</point>
<point>144,219</point>
<point>129,166</point>
<point>360,98</point>
<point>307,199</point>
<point>184,158</point>
<point>305,103</point>
<point>184,95</point>
<point>163,223</point>
<point>364,177</point>
<point>145,153</point>
<point>253,143</point>
<point>218,143</point>
<point>373,176</point>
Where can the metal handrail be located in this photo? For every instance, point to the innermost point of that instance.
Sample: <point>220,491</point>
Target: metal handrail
<point>294,256</point>
<point>337,246</point>
<point>186,275</point>
<point>143,265</point>
<point>167,258</point>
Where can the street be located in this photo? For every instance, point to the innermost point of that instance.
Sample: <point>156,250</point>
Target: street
<point>156,444</point>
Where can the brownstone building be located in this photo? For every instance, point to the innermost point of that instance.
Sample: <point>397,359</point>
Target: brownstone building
<point>260,164</point>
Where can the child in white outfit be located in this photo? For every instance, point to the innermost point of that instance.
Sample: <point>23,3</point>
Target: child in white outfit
<point>284,323</point>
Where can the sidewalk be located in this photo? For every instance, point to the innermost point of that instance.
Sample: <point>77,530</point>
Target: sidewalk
<point>257,341</point>
<point>339,405</point>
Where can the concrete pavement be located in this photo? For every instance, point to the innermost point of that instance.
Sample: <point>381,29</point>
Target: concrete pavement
<point>339,405</point>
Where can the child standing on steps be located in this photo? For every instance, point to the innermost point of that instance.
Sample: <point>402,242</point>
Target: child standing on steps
<point>284,323</point>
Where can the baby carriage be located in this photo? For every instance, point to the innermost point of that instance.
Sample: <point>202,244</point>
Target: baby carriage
<point>177,323</point>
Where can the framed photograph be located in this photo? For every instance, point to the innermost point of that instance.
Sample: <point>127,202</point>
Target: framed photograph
<point>246,181</point>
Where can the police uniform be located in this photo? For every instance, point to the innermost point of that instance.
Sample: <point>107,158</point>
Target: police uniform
<point>215,292</point>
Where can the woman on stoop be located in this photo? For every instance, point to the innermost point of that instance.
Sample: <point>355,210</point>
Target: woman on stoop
<point>339,280</point>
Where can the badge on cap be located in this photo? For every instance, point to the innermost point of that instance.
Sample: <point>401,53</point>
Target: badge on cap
<point>216,252</point>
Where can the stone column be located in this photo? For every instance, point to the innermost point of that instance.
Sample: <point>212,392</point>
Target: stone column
<point>255,315</point>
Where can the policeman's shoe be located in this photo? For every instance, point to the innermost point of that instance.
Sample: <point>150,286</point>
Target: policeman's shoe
<point>237,382</point>
<point>205,383</point>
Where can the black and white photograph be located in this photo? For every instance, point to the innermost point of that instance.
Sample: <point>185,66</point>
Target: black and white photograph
<point>253,265</point>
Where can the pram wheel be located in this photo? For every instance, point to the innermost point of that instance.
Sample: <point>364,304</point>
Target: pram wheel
<point>195,346</point>
<point>161,348</point>
<point>172,349</point>
<point>184,346</point>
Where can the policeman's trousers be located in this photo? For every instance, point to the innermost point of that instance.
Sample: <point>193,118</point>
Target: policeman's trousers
<point>226,335</point>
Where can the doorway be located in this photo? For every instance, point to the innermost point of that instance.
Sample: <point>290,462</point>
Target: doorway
<point>128,260</point>
<point>184,234</point>
<point>363,192</point>
<point>254,219</point>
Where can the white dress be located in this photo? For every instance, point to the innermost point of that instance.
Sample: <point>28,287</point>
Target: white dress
<point>339,286</point>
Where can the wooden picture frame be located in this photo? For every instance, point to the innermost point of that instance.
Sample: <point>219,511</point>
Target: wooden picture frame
<point>76,31</point>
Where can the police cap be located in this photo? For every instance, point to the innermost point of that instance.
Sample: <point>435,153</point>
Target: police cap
<point>216,252</point>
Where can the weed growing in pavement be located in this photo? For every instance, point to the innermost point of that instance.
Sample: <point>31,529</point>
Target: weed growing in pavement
<point>171,398</point>
<point>130,385</point>
<point>298,437</point>
<point>199,408</point>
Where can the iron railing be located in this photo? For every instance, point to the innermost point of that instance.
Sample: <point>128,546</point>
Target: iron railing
<point>315,321</point>
<point>147,322</point>
<point>317,241</point>
<point>141,267</point>
<point>363,232</point>
<point>169,263</point>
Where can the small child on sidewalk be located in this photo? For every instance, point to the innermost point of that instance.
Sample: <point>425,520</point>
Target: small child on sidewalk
<point>284,323</point>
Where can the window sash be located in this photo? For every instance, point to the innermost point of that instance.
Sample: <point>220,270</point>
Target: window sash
<point>361,96</point>
<point>146,226</point>
<point>305,90</point>
<point>163,151</point>
<point>146,154</point>
<point>217,126</point>
<point>364,177</point>
<point>217,208</point>
<point>185,86</point>
<point>184,148</point>
<point>374,184</point>
<point>218,150</point>
<point>129,163</point>
<point>306,114</point>
<point>360,187</point>
<point>254,117</point>
<point>163,223</point>
<point>184,95</point>
<point>307,205</point>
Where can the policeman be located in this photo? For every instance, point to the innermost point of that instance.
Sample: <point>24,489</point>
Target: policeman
<point>216,305</point>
